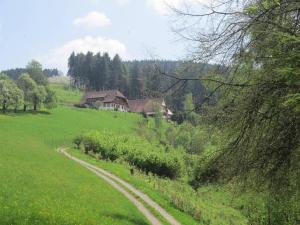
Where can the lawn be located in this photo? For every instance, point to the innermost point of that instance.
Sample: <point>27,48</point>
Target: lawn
<point>40,186</point>
<point>66,95</point>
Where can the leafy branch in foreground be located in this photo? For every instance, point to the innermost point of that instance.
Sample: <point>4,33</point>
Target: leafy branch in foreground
<point>258,99</point>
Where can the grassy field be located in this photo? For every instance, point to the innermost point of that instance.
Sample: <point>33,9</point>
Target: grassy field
<point>40,186</point>
<point>66,95</point>
<point>47,188</point>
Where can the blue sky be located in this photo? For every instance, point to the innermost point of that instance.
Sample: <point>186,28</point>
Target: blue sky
<point>48,30</point>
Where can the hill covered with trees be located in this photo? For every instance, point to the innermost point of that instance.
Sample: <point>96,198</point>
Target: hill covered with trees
<point>138,79</point>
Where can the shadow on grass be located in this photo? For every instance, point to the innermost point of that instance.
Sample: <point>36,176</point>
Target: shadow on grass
<point>34,219</point>
<point>37,220</point>
<point>122,219</point>
<point>22,113</point>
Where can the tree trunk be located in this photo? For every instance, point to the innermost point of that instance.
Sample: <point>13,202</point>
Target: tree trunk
<point>25,107</point>
<point>4,106</point>
<point>35,107</point>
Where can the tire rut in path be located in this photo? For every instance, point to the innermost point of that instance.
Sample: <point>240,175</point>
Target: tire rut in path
<point>119,184</point>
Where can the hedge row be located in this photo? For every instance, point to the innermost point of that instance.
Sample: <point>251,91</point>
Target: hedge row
<point>134,150</point>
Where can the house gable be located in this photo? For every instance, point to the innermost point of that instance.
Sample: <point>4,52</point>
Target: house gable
<point>110,99</point>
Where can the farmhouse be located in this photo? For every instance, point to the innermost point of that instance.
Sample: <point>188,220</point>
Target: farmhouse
<point>149,106</point>
<point>115,100</point>
<point>105,100</point>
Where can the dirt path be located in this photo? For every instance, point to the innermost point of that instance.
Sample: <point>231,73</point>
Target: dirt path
<point>121,186</point>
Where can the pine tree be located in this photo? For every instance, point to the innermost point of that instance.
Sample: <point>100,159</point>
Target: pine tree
<point>88,70</point>
<point>135,83</point>
<point>115,79</point>
<point>106,71</point>
<point>123,81</point>
<point>153,80</point>
<point>71,71</point>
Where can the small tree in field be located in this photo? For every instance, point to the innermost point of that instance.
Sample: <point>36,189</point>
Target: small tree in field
<point>29,87</point>
<point>35,71</point>
<point>10,94</point>
<point>51,99</point>
<point>39,96</point>
<point>4,94</point>
<point>17,96</point>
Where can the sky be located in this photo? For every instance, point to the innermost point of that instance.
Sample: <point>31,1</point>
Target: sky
<point>49,30</point>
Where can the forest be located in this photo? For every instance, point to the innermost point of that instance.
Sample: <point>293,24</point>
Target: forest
<point>139,79</point>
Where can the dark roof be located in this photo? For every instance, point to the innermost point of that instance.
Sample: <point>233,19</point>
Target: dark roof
<point>108,95</point>
<point>144,105</point>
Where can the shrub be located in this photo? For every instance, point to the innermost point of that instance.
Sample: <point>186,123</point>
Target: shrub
<point>135,151</point>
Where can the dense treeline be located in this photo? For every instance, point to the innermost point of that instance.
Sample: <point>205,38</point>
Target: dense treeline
<point>97,72</point>
<point>29,90</point>
<point>154,80</point>
<point>138,79</point>
<point>52,72</point>
<point>16,73</point>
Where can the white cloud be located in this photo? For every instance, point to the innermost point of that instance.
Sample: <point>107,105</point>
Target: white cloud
<point>163,7</point>
<point>58,57</point>
<point>93,19</point>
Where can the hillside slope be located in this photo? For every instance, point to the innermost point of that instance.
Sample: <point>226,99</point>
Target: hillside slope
<point>39,186</point>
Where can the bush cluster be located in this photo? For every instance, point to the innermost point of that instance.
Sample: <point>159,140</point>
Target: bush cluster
<point>136,151</point>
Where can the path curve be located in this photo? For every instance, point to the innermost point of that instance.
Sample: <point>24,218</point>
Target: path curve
<point>120,185</point>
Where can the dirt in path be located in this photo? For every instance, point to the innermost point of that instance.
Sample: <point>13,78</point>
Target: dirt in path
<point>127,189</point>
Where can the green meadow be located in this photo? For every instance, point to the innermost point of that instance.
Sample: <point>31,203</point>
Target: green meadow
<point>66,95</point>
<point>40,186</point>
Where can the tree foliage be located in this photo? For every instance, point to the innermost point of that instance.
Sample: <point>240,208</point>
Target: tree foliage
<point>26,91</point>
<point>28,86</point>
<point>35,70</point>
<point>39,96</point>
<point>17,72</point>
<point>258,99</point>
<point>10,94</point>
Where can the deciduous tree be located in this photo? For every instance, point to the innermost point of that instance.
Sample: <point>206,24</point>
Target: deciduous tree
<point>29,87</point>
<point>39,96</point>
<point>35,70</point>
